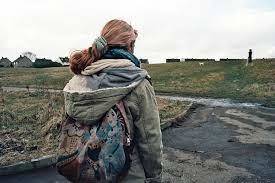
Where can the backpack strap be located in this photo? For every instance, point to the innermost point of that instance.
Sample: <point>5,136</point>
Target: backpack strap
<point>120,106</point>
<point>148,77</point>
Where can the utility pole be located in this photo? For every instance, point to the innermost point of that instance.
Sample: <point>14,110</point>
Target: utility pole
<point>249,60</point>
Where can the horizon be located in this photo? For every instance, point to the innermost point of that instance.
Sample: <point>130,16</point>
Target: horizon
<point>175,29</point>
<point>150,61</point>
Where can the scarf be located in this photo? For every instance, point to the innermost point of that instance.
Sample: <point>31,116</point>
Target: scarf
<point>120,53</point>
<point>99,65</point>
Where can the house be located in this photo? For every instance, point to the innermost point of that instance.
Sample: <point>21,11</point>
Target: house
<point>232,59</point>
<point>5,62</point>
<point>63,60</point>
<point>22,61</point>
<point>144,61</point>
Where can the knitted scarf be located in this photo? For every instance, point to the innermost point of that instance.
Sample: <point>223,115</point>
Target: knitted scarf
<point>121,53</point>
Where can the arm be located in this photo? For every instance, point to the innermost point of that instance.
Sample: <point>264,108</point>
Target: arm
<point>147,131</point>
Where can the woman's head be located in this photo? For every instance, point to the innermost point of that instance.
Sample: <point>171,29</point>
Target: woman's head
<point>114,33</point>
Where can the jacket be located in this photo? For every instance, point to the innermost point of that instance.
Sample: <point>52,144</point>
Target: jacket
<point>90,95</point>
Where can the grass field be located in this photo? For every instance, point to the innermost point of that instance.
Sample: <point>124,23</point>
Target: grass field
<point>55,77</point>
<point>233,80</point>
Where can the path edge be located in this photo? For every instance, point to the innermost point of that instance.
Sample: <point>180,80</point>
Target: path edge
<point>166,123</point>
<point>23,166</point>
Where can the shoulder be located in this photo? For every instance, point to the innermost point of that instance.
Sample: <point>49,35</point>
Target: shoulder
<point>143,88</point>
<point>142,92</point>
<point>76,83</point>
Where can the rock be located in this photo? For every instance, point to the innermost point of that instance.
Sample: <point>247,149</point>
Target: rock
<point>32,148</point>
<point>1,150</point>
<point>231,140</point>
<point>201,151</point>
<point>18,148</point>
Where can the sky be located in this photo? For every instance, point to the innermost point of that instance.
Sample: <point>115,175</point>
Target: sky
<point>167,28</point>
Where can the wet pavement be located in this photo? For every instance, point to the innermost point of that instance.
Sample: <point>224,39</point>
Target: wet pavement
<point>46,175</point>
<point>241,138</point>
<point>215,144</point>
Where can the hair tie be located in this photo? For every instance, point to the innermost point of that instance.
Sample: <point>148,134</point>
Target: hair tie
<point>101,44</point>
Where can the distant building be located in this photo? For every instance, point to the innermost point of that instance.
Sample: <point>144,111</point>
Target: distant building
<point>232,59</point>
<point>200,60</point>
<point>172,60</point>
<point>5,62</point>
<point>22,61</point>
<point>64,60</point>
<point>144,61</point>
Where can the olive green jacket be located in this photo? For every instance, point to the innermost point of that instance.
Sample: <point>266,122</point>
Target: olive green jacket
<point>87,101</point>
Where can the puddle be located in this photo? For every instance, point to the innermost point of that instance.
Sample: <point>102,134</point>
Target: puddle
<point>249,133</point>
<point>212,102</point>
<point>264,123</point>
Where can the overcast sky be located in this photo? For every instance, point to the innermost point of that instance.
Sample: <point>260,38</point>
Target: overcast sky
<point>167,28</point>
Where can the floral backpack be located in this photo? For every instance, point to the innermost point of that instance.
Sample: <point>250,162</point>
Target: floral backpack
<point>99,153</point>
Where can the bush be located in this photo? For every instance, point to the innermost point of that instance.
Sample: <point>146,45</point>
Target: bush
<point>42,63</point>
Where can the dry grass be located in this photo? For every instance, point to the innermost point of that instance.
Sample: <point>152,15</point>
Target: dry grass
<point>30,122</point>
<point>169,108</point>
<point>28,125</point>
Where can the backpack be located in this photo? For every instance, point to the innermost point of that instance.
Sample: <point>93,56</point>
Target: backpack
<point>99,153</point>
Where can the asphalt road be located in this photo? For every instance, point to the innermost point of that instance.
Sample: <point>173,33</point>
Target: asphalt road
<point>216,144</point>
<point>224,145</point>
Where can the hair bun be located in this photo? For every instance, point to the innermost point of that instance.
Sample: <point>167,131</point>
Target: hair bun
<point>79,60</point>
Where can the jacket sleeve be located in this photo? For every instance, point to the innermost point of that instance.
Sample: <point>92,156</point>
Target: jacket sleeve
<point>148,137</point>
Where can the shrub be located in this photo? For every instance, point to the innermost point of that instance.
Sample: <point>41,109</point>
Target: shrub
<point>42,63</point>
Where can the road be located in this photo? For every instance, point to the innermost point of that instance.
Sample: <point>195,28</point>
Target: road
<point>215,144</point>
<point>219,144</point>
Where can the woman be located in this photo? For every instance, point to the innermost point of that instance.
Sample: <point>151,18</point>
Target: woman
<point>106,75</point>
